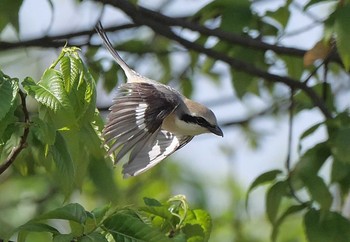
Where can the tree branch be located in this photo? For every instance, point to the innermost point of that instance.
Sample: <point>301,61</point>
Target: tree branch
<point>22,143</point>
<point>57,41</point>
<point>159,27</point>
<point>230,37</point>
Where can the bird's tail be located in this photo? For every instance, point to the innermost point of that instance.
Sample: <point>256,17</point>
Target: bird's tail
<point>101,32</point>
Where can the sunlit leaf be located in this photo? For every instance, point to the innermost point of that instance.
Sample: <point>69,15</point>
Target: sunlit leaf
<point>197,225</point>
<point>49,91</point>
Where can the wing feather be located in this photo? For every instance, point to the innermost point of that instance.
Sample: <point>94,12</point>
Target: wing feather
<point>151,154</point>
<point>136,116</point>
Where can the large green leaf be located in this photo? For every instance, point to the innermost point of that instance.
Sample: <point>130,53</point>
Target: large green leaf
<point>126,227</point>
<point>324,226</point>
<point>8,92</point>
<point>9,13</point>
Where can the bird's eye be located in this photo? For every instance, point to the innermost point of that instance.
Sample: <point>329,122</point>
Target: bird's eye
<point>201,121</point>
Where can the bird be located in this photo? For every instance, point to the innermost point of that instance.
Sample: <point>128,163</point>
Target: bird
<point>149,120</point>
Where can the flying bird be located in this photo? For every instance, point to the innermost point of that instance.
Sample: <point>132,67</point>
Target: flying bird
<point>150,120</point>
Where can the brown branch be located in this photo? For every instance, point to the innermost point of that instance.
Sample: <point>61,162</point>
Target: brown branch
<point>238,65</point>
<point>230,37</point>
<point>22,143</point>
<point>57,41</point>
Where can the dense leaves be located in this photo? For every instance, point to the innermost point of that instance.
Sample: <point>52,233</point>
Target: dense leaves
<point>131,224</point>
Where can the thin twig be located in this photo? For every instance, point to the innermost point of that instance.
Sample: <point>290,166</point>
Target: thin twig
<point>22,143</point>
<point>57,41</point>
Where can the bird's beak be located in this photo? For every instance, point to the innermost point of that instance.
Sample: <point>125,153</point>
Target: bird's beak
<point>216,130</point>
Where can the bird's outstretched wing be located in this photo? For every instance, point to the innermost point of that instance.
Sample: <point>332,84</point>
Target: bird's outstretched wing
<point>135,121</point>
<point>165,144</point>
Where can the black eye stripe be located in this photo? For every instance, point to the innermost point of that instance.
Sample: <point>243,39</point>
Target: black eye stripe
<point>196,120</point>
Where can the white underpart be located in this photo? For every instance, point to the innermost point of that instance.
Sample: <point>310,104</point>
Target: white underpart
<point>192,129</point>
<point>140,115</point>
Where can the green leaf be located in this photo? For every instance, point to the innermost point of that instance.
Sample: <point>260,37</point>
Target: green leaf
<point>8,93</point>
<point>32,226</point>
<point>325,226</point>
<point>339,142</point>
<point>291,210</point>
<point>95,218</point>
<point>312,160</point>
<point>64,163</point>
<point>72,212</point>
<point>101,174</point>
<point>125,227</point>
<point>273,199</point>
<point>197,225</point>
<point>341,28</point>
<point>8,121</point>
<point>318,190</point>
<point>43,131</point>
<point>264,178</point>
<point>310,130</point>
<point>9,10</point>
<point>151,202</point>
<point>295,66</point>
<point>51,96</point>
<point>281,15</point>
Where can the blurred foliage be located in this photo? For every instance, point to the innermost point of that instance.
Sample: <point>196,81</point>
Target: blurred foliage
<point>57,167</point>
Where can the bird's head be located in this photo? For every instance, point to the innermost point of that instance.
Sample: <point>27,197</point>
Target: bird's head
<point>201,119</point>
